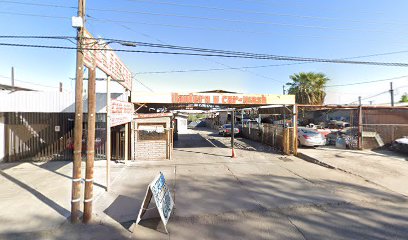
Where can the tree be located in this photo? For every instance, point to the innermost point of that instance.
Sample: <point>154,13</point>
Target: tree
<point>404,98</point>
<point>308,87</point>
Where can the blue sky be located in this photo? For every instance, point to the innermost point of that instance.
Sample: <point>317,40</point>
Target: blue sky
<point>315,28</point>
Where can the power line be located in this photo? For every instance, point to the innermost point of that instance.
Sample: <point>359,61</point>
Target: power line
<point>374,81</point>
<point>266,13</point>
<point>144,85</point>
<point>209,18</point>
<point>213,53</point>
<point>231,30</point>
<point>32,83</point>
<point>261,66</point>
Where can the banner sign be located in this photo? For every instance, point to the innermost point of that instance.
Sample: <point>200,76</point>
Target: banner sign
<point>121,112</point>
<point>162,197</point>
<point>214,98</point>
<point>153,115</point>
<point>106,60</point>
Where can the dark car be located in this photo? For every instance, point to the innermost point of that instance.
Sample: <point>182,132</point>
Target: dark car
<point>400,145</point>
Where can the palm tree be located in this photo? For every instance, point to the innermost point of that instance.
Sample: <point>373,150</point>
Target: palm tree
<point>308,87</point>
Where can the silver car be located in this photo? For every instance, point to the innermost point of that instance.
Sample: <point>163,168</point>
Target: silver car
<point>225,130</point>
<point>310,137</point>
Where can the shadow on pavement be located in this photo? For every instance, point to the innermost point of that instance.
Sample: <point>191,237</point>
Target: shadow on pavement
<point>59,209</point>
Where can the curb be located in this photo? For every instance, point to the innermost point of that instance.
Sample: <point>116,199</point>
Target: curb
<point>310,159</point>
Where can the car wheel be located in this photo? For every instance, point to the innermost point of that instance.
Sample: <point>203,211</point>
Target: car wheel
<point>299,145</point>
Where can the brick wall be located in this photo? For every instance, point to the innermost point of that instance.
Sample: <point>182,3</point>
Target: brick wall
<point>146,150</point>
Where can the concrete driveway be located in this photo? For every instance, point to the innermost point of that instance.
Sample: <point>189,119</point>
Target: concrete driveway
<point>386,168</point>
<point>258,195</point>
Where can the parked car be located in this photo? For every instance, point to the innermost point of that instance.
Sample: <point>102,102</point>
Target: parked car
<point>310,137</point>
<point>400,145</point>
<point>348,135</point>
<point>225,130</point>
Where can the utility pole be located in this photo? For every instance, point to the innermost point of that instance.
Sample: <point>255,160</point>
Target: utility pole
<point>60,86</point>
<point>392,94</point>
<point>359,100</point>
<point>90,149</point>
<point>76,169</point>
<point>12,76</point>
<point>283,88</point>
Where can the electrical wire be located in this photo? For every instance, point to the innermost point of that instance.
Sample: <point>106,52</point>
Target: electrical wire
<point>212,53</point>
<point>207,18</point>
<point>32,83</point>
<point>267,13</point>
<point>374,81</point>
<point>230,30</point>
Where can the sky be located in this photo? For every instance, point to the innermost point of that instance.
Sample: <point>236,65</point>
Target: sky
<point>316,28</point>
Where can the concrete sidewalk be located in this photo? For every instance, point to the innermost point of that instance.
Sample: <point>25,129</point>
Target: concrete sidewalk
<point>385,168</point>
<point>259,195</point>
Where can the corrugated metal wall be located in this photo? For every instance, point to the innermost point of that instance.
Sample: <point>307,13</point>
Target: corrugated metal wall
<point>47,136</point>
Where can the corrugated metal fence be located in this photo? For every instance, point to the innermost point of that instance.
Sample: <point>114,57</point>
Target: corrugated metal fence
<point>46,136</point>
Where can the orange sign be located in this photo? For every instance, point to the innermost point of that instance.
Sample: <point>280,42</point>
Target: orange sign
<point>219,99</point>
<point>214,98</point>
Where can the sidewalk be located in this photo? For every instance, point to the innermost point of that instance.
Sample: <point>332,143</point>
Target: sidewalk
<point>385,168</point>
<point>259,195</point>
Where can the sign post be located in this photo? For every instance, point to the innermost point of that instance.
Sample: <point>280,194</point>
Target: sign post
<point>164,202</point>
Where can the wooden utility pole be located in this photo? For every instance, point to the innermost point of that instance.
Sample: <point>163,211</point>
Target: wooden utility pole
<point>76,170</point>
<point>108,132</point>
<point>90,149</point>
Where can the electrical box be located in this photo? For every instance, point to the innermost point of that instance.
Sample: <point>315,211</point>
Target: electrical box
<point>77,22</point>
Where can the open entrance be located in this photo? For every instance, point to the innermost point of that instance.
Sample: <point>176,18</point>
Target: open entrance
<point>164,120</point>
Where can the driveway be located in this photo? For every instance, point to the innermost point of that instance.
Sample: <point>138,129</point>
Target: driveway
<point>385,168</point>
<point>258,195</point>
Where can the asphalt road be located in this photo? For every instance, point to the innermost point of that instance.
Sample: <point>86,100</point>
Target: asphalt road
<point>258,195</point>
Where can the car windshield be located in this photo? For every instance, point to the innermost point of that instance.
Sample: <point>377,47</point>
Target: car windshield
<point>309,132</point>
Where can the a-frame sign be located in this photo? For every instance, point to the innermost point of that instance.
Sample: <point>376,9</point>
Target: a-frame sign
<point>164,202</point>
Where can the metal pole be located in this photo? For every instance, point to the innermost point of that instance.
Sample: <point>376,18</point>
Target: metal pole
<point>295,129</point>
<point>90,155</point>
<point>359,100</point>
<point>60,86</point>
<point>108,132</point>
<point>232,133</point>
<point>12,76</point>
<point>360,128</point>
<point>76,170</point>
<point>392,94</point>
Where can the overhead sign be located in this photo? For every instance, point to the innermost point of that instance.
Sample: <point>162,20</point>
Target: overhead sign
<point>153,115</point>
<point>121,112</point>
<point>214,98</point>
<point>162,197</point>
<point>105,59</point>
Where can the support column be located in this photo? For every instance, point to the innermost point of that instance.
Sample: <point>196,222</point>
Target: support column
<point>295,129</point>
<point>90,149</point>
<point>232,133</point>
<point>108,132</point>
<point>126,141</point>
<point>360,127</point>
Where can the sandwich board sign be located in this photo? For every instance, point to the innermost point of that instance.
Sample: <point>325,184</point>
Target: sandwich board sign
<point>164,202</point>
